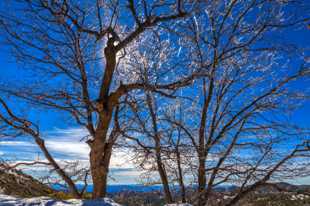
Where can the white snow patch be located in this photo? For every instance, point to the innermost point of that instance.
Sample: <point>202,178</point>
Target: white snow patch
<point>178,204</point>
<point>6,200</point>
<point>299,197</point>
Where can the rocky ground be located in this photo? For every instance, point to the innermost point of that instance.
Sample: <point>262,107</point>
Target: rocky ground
<point>16,183</point>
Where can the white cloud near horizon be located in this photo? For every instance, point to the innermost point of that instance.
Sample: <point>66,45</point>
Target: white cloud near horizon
<point>17,143</point>
<point>65,145</point>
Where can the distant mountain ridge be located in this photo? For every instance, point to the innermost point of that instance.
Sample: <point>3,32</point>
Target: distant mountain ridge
<point>283,187</point>
<point>268,187</point>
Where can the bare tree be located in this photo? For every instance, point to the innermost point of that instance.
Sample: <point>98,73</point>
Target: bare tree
<point>237,109</point>
<point>236,119</point>
<point>237,122</point>
<point>73,50</point>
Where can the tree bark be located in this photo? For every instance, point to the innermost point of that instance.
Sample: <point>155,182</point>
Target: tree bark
<point>100,147</point>
<point>180,174</point>
<point>202,182</point>
<point>202,150</point>
<point>100,156</point>
<point>163,176</point>
<point>160,165</point>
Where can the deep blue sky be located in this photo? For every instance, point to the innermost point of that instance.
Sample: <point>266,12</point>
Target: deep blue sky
<point>11,71</point>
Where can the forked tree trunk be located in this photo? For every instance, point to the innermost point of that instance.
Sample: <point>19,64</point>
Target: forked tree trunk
<point>100,147</point>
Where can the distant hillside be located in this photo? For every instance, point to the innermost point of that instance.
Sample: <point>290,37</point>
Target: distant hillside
<point>283,187</point>
<point>14,182</point>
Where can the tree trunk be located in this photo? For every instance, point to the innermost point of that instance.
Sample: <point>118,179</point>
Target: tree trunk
<point>160,166</point>
<point>98,169</point>
<point>101,148</point>
<point>201,182</point>
<point>100,156</point>
<point>180,174</point>
<point>164,179</point>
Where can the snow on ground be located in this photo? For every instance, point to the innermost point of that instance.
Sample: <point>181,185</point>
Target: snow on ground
<point>6,200</point>
<point>179,204</point>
